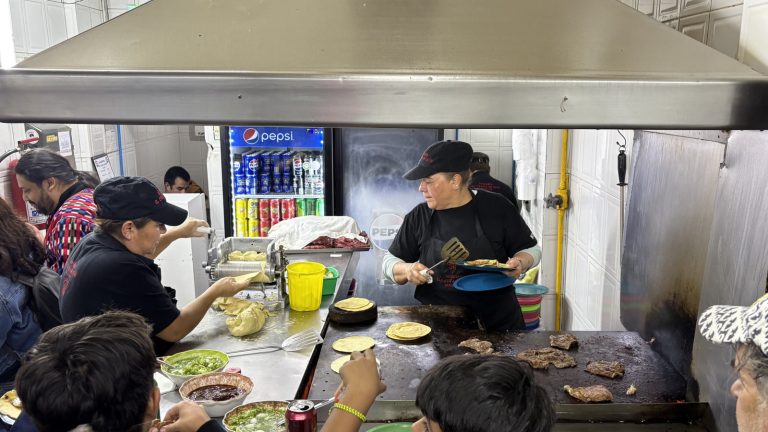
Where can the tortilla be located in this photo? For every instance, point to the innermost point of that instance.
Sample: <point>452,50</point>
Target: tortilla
<point>353,343</point>
<point>252,277</point>
<point>247,256</point>
<point>407,331</point>
<point>339,362</point>
<point>486,263</point>
<point>7,406</point>
<point>354,304</point>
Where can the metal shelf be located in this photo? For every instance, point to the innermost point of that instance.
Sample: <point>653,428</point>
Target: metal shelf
<point>264,196</point>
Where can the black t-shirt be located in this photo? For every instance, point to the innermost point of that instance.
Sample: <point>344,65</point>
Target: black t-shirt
<point>499,219</point>
<point>102,274</point>
<point>483,180</point>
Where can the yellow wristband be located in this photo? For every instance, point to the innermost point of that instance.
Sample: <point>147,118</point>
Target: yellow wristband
<point>350,410</point>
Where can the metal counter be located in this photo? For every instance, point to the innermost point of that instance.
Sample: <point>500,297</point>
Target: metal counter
<point>276,375</point>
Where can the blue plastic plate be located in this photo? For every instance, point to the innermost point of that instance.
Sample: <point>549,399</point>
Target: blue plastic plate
<point>530,289</point>
<point>392,427</point>
<point>478,268</point>
<point>483,282</point>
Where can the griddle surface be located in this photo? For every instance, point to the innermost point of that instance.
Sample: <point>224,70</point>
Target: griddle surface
<point>403,364</point>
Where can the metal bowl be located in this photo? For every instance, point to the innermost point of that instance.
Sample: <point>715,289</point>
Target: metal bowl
<point>218,408</point>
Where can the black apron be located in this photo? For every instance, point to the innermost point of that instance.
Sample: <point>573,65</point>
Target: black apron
<point>496,310</point>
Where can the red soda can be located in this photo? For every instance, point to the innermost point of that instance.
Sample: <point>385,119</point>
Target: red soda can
<point>264,213</point>
<point>264,227</point>
<point>274,209</point>
<point>293,208</point>
<point>285,209</point>
<point>301,416</point>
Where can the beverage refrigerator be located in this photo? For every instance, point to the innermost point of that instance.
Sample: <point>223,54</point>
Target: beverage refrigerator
<point>274,173</point>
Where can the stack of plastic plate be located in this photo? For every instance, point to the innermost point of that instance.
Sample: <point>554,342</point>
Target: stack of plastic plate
<point>529,296</point>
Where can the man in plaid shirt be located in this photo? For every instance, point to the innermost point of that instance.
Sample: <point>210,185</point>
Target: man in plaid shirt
<point>55,189</point>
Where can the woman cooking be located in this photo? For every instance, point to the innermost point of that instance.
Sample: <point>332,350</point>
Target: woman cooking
<point>486,223</point>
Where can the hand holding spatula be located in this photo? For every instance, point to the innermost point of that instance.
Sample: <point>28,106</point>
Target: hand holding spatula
<point>453,250</point>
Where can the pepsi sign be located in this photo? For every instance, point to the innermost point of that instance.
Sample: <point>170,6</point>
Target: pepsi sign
<point>265,136</point>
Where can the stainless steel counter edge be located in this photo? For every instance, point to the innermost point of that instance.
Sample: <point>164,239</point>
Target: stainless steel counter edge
<point>277,375</point>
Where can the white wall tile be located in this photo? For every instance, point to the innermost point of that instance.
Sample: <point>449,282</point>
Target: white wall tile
<point>484,136</point>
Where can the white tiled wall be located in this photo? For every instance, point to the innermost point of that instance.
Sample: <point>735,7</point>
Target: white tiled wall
<point>119,7</point>
<point>592,269</point>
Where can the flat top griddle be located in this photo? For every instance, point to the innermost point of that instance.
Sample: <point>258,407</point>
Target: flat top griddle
<point>403,364</point>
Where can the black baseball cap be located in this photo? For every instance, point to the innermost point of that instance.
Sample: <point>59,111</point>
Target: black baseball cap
<point>128,198</point>
<point>442,156</point>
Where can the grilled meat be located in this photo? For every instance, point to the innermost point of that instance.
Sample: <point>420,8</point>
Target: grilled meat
<point>595,393</point>
<point>541,358</point>
<point>631,390</point>
<point>481,346</point>
<point>605,368</point>
<point>563,341</point>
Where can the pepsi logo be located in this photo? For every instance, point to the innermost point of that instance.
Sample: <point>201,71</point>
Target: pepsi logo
<point>251,136</point>
<point>253,164</point>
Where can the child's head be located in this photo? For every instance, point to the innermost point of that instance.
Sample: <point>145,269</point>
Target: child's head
<point>483,393</point>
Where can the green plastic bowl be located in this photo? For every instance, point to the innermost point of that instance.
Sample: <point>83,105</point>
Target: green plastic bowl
<point>329,283</point>
<point>180,379</point>
<point>531,308</point>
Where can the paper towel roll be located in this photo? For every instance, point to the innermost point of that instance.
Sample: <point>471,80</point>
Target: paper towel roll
<point>523,144</point>
<point>527,178</point>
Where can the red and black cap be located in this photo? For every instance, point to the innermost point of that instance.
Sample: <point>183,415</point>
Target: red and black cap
<point>442,156</point>
<point>128,198</point>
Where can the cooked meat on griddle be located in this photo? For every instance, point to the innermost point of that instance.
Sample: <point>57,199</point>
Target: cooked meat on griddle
<point>595,393</point>
<point>563,341</point>
<point>631,390</point>
<point>541,358</point>
<point>607,369</point>
<point>481,346</point>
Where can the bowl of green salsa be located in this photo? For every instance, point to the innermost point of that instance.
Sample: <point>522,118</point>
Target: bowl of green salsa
<point>261,416</point>
<point>188,364</point>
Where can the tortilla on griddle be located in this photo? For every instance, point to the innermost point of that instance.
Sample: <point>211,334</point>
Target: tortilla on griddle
<point>353,343</point>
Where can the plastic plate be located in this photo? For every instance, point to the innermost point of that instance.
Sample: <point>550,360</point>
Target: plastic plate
<point>530,289</point>
<point>478,268</point>
<point>483,282</point>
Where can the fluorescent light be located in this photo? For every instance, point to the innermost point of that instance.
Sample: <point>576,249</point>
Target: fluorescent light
<point>7,52</point>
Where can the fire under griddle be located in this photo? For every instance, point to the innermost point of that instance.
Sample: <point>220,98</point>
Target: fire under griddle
<point>403,364</point>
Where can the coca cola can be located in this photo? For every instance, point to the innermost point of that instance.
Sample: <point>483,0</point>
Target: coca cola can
<point>274,208</point>
<point>285,209</point>
<point>301,416</point>
<point>264,213</point>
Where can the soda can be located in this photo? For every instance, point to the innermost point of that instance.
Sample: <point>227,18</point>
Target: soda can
<point>320,207</point>
<point>287,183</point>
<point>274,209</point>
<point>285,209</point>
<point>287,163</point>
<point>301,416</point>
<point>310,206</point>
<point>265,183</point>
<point>251,185</point>
<point>273,222</point>
<point>241,227</point>
<point>264,226</point>
<point>241,208</point>
<point>240,185</point>
<point>252,209</point>
<point>253,228</point>
<point>301,207</point>
<point>277,164</point>
<point>292,213</point>
<point>265,162</point>
<point>264,213</point>
<point>237,165</point>
<point>277,183</point>
<point>253,164</point>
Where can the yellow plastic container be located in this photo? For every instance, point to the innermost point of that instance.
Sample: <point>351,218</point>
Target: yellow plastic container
<point>305,285</point>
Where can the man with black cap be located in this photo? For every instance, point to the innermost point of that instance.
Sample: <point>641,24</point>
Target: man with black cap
<point>113,268</point>
<point>481,178</point>
<point>486,223</point>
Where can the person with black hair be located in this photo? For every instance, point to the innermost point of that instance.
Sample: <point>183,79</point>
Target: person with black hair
<point>176,180</point>
<point>114,267</point>
<point>480,168</point>
<point>62,193</point>
<point>21,253</point>
<point>96,375</point>
<point>460,394</point>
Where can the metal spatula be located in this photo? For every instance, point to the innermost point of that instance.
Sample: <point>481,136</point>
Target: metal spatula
<point>453,250</point>
<point>296,342</point>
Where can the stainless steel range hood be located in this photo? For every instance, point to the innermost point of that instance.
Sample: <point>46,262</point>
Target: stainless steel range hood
<point>513,63</point>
